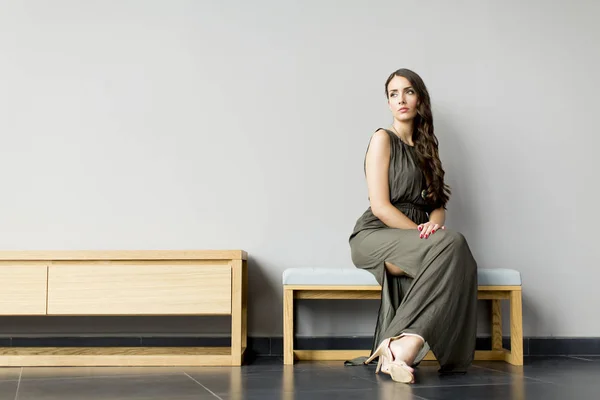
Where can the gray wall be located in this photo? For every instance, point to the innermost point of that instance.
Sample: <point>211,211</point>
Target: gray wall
<point>189,124</point>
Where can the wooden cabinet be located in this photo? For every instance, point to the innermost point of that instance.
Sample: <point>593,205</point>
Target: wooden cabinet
<point>151,289</point>
<point>23,289</point>
<point>95,283</point>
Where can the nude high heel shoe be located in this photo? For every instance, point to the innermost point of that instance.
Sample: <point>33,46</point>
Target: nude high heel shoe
<point>398,370</point>
<point>384,353</point>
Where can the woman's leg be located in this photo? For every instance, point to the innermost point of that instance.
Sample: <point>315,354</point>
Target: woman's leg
<point>440,304</point>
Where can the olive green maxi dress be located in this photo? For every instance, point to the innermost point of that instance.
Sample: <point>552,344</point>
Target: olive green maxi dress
<point>437,298</point>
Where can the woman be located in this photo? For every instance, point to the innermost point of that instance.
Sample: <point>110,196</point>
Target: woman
<point>427,272</point>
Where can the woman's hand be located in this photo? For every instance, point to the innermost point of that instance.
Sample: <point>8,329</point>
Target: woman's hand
<point>428,228</point>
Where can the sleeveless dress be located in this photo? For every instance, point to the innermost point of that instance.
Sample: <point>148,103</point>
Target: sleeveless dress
<point>437,298</point>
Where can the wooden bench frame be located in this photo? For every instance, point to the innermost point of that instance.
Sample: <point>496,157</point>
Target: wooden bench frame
<point>138,283</point>
<point>493,293</point>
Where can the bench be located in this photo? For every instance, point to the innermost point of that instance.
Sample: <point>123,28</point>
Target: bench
<point>352,283</point>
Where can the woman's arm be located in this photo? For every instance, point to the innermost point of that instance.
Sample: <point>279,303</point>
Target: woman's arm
<point>377,169</point>
<point>438,216</point>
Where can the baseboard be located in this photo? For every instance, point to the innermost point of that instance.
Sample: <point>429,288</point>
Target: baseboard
<point>273,346</point>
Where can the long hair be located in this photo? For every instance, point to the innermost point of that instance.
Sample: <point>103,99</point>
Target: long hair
<point>426,143</point>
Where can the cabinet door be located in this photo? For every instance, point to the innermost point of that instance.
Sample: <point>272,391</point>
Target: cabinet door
<point>146,289</point>
<point>23,289</point>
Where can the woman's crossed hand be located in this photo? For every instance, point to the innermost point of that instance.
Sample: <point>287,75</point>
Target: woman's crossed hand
<point>428,228</point>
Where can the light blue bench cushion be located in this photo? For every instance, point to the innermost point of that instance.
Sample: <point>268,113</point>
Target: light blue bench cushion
<point>360,277</point>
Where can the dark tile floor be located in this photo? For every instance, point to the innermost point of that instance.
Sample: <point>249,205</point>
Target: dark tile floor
<point>548,378</point>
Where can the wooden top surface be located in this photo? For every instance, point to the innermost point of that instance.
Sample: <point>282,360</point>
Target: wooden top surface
<point>48,255</point>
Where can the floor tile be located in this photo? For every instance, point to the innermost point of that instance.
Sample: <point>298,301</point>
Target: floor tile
<point>525,390</point>
<point>93,372</point>
<point>288,379</point>
<point>179,387</point>
<point>557,369</point>
<point>10,373</point>
<point>401,392</point>
<point>8,389</point>
<point>586,358</point>
<point>260,367</point>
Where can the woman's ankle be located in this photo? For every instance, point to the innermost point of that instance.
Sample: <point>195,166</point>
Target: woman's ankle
<point>407,348</point>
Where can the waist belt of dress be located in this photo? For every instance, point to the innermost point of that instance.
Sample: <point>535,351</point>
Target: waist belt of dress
<point>411,206</point>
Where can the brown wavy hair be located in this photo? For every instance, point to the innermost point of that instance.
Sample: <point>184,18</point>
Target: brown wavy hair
<point>426,143</point>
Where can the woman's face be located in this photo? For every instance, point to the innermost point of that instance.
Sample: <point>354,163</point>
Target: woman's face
<point>402,99</point>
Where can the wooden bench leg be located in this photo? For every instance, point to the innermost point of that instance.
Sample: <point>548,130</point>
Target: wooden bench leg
<point>496,325</point>
<point>288,326</point>
<point>245,305</point>
<point>515,357</point>
<point>237,311</point>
